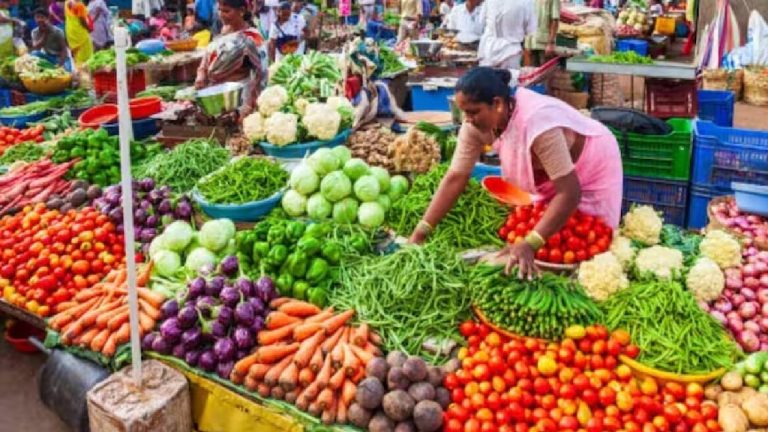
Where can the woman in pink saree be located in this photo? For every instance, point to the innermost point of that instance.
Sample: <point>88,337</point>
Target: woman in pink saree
<point>546,148</point>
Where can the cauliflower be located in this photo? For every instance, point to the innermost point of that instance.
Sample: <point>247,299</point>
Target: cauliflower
<point>622,248</point>
<point>254,127</point>
<point>705,280</point>
<point>662,262</point>
<point>321,121</point>
<point>301,105</point>
<point>721,248</point>
<point>272,99</point>
<point>282,128</point>
<point>643,224</point>
<point>602,276</point>
<point>336,102</point>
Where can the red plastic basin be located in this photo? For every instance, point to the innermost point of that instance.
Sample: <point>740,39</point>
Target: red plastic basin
<point>505,192</point>
<point>96,116</point>
<point>17,334</point>
<point>145,107</point>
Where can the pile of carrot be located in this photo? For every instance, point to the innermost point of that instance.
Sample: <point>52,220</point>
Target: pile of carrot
<point>309,357</point>
<point>97,318</point>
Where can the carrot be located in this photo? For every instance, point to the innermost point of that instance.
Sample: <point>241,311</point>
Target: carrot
<point>264,390</point>
<point>117,320</point>
<point>332,341</point>
<point>290,377</point>
<point>351,363</point>
<point>361,354</point>
<point>359,375</point>
<point>278,319</point>
<point>325,398</point>
<point>88,294</point>
<point>305,331</point>
<point>276,303</point>
<point>86,338</point>
<point>375,338</point>
<point>271,337</point>
<point>336,322</point>
<point>244,364</point>
<point>99,340</point>
<point>337,354</point>
<point>299,309</point>
<point>92,315</point>
<point>306,377</point>
<point>322,316</point>
<point>373,349</point>
<point>307,395</point>
<point>123,334</point>
<point>149,309</point>
<point>235,378</point>
<point>325,373</point>
<point>316,362</point>
<point>307,348</point>
<point>271,378</point>
<point>151,297</point>
<point>291,396</point>
<point>110,346</point>
<point>341,413</point>
<point>360,335</point>
<point>337,380</point>
<point>146,323</point>
<point>142,278</point>
<point>250,383</point>
<point>71,314</point>
<point>314,409</point>
<point>329,414</point>
<point>277,393</point>
<point>258,370</point>
<point>348,393</point>
<point>275,353</point>
<point>103,319</point>
<point>61,307</point>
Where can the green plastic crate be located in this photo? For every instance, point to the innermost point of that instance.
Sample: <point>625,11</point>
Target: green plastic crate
<point>658,156</point>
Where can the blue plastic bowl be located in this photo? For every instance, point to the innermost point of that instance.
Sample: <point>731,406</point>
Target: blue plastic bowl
<point>481,171</point>
<point>143,128</point>
<point>21,121</point>
<point>248,212</point>
<point>751,198</point>
<point>298,151</point>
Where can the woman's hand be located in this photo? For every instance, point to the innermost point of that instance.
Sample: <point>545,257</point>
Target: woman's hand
<point>199,84</point>
<point>417,237</point>
<point>522,254</point>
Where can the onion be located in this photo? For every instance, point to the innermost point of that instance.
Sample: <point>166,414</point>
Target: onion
<point>748,293</point>
<point>748,310</point>
<point>748,270</point>
<point>728,293</point>
<point>764,325</point>
<point>752,326</point>
<point>748,340</point>
<point>764,310</point>
<point>737,325</point>
<point>737,300</point>
<point>752,282</point>
<point>733,315</point>
<point>722,305</point>
<point>761,267</point>
<point>719,316</point>
<point>762,255</point>
<point>762,295</point>
<point>733,283</point>
<point>733,273</point>
<point>764,280</point>
<point>763,346</point>
<point>704,305</point>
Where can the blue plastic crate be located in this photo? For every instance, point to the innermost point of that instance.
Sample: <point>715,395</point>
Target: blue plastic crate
<point>636,45</point>
<point>34,97</point>
<point>699,203</point>
<point>5,98</point>
<point>431,100</point>
<point>539,88</point>
<point>481,171</point>
<point>751,198</point>
<point>670,197</point>
<point>143,128</point>
<point>722,155</point>
<point>716,106</point>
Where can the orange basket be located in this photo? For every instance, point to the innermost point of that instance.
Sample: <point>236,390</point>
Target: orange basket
<point>504,192</point>
<point>182,45</point>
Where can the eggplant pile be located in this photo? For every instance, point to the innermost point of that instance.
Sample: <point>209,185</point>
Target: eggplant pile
<point>153,209</point>
<point>216,324</point>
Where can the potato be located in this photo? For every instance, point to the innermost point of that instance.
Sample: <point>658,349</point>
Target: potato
<point>381,423</point>
<point>398,405</point>
<point>711,392</point>
<point>421,391</point>
<point>396,379</point>
<point>443,397</point>
<point>415,369</point>
<point>396,359</point>
<point>435,376</point>
<point>451,366</point>
<point>735,398</point>
<point>377,368</point>
<point>756,409</point>
<point>732,419</point>
<point>732,381</point>
<point>369,394</point>
<point>406,426</point>
<point>428,416</point>
<point>358,415</point>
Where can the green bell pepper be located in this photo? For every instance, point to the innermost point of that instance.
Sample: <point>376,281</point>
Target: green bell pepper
<point>298,265</point>
<point>277,255</point>
<point>276,235</point>
<point>316,230</point>
<point>317,296</point>
<point>284,284</point>
<point>261,230</point>
<point>317,271</point>
<point>359,243</point>
<point>332,252</point>
<point>309,245</point>
<point>245,241</point>
<point>300,290</point>
<point>259,251</point>
<point>294,231</point>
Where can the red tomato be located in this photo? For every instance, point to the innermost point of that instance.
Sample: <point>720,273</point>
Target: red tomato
<point>672,414</point>
<point>542,254</point>
<point>451,382</point>
<point>554,240</point>
<point>453,425</point>
<point>467,328</point>
<point>569,257</point>
<point>555,256</point>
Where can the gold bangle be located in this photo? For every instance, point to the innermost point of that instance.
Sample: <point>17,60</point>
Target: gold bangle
<point>425,227</point>
<point>535,240</point>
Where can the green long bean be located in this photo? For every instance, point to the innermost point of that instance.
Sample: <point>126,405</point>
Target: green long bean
<point>183,166</point>
<point>242,181</point>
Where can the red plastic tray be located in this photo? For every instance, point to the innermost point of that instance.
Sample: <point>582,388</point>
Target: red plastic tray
<point>96,116</point>
<point>505,192</point>
<point>16,334</point>
<point>145,107</point>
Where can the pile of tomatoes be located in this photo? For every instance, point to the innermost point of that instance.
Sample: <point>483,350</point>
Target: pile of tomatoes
<point>10,136</point>
<point>48,256</point>
<point>578,384</point>
<point>583,236</point>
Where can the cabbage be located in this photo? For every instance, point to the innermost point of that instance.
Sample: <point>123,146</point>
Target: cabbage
<point>370,214</point>
<point>231,249</point>
<point>318,207</point>
<point>199,258</point>
<point>398,186</point>
<point>382,176</point>
<point>166,262</point>
<point>215,234</point>
<point>335,186</point>
<point>367,188</point>
<point>323,161</point>
<point>342,154</point>
<point>177,235</point>
<point>384,201</point>
<point>355,168</point>
<point>294,203</point>
<point>193,244</point>
<point>345,211</point>
<point>157,244</point>
<point>304,180</point>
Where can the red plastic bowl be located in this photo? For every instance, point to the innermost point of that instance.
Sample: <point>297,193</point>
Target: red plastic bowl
<point>505,192</point>
<point>145,107</point>
<point>17,334</point>
<point>96,116</point>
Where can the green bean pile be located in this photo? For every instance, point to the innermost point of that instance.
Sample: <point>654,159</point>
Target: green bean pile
<point>183,166</point>
<point>673,333</point>
<point>471,223</point>
<point>412,295</point>
<point>27,152</point>
<point>543,307</point>
<point>242,181</point>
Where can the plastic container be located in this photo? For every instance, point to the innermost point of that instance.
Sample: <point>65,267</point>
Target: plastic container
<point>94,117</point>
<point>670,98</point>
<point>20,122</point>
<point>30,97</point>
<point>298,151</point>
<point>722,155</point>
<point>17,335</point>
<point>5,98</point>
<point>105,84</point>
<point>505,192</point>
<point>539,88</point>
<point>665,26</point>
<point>423,99</point>
<point>481,171</point>
<point>145,107</point>
<point>660,156</point>
<point>248,212</point>
<point>667,196</point>
<point>698,204</point>
<point>636,45</point>
<point>144,128</point>
<point>716,106</point>
<point>751,198</point>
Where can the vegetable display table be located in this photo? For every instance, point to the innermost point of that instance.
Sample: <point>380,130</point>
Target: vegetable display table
<point>21,315</point>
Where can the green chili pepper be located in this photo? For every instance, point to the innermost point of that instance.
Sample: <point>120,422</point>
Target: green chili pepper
<point>359,243</point>
<point>261,230</point>
<point>260,250</point>
<point>298,266</point>
<point>316,230</point>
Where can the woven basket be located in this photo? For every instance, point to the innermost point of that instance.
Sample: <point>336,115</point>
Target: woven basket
<point>722,79</point>
<point>756,86</point>
<point>714,224</point>
<point>182,45</point>
<point>46,86</point>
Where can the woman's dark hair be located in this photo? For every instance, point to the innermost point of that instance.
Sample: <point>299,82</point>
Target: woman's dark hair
<point>239,4</point>
<point>41,12</point>
<point>483,84</point>
<point>284,5</point>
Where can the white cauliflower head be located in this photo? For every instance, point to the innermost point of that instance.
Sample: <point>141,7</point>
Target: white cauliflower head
<point>660,261</point>
<point>301,105</point>
<point>321,121</point>
<point>622,248</point>
<point>705,280</point>
<point>336,102</point>
<point>254,127</point>
<point>721,248</point>
<point>272,99</point>
<point>602,276</point>
<point>643,224</point>
<point>282,128</point>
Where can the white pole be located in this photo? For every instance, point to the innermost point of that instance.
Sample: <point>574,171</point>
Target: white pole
<point>122,42</point>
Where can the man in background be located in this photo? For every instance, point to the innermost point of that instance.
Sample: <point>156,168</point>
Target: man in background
<point>49,42</point>
<point>541,44</point>
<point>507,24</point>
<point>411,12</point>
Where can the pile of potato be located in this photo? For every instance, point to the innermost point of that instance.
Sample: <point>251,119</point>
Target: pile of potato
<point>741,408</point>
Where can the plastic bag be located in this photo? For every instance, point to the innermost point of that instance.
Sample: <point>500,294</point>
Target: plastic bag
<point>757,36</point>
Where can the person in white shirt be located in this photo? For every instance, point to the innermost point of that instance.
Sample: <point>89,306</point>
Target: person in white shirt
<point>468,19</point>
<point>445,9</point>
<point>507,23</point>
<point>287,34</point>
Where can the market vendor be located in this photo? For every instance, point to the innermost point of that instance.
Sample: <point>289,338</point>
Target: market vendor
<point>546,147</point>
<point>237,55</point>
<point>507,23</point>
<point>467,18</point>
<point>411,12</point>
<point>49,42</point>
<point>287,34</point>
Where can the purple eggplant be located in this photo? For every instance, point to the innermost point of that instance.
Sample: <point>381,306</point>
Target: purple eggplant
<point>244,314</point>
<point>214,286</point>
<point>146,341</point>
<point>112,197</point>
<point>229,266</point>
<point>179,351</point>
<point>196,287</point>
<point>139,216</point>
<point>245,286</point>
<point>205,305</point>
<point>243,338</point>
<point>183,210</point>
<point>224,349</point>
<point>265,289</point>
<point>207,361</point>
<point>165,191</point>
<point>192,358</point>
<point>145,205</point>
<point>187,317</point>
<point>146,184</point>
<point>170,330</point>
<point>242,353</point>
<point>120,228</point>
<point>116,214</point>
<point>169,309</point>
<point>147,234</point>
<point>224,314</point>
<point>225,368</point>
<point>165,207</point>
<point>191,338</point>
<point>161,346</point>
<point>218,329</point>
<point>229,296</point>
<point>152,221</point>
<point>154,196</point>
<point>257,325</point>
<point>257,305</point>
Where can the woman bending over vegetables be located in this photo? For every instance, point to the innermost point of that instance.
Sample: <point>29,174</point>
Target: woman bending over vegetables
<point>547,149</point>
